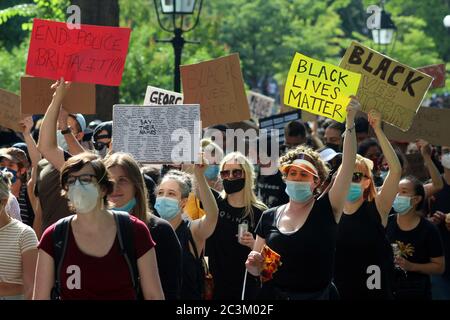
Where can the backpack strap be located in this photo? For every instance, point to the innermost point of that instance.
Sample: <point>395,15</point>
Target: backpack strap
<point>60,239</point>
<point>126,242</point>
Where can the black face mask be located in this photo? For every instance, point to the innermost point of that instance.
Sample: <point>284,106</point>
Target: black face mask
<point>333,146</point>
<point>233,186</point>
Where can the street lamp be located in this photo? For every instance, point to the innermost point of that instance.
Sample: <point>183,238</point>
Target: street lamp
<point>384,35</point>
<point>178,9</point>
<point>447,21</point>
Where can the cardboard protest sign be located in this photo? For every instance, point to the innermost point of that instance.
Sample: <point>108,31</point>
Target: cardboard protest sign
<point>36,95</point>
<point>260,105</point>
<point>430,124</point>
<point>10,113</point>
<point>93,54</point>
<point>158,134</point>
<point>319,88</point>
<point>437,71</point>
<point>388,86</point>
<point>158,96</point>
<point>217,86</point>
<point>278,122</point>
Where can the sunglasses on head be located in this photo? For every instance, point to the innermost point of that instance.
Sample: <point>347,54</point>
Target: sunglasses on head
<point>358,176</point>
<point>234,174</point>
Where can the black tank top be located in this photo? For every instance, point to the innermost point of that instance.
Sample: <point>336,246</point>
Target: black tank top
<point>362,242</point>
<point>193,271</point>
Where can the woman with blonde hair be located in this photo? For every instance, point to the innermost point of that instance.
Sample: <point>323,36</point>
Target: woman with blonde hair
<point>130,195</point>
<point>303,231</point>
<point>361,242</point>
<point>18,250</point>
<point>238,205</point>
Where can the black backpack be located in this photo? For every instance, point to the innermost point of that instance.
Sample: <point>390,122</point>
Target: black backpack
<point>126,242</point>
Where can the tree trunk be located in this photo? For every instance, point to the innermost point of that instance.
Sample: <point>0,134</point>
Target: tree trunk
<point>102,13</point>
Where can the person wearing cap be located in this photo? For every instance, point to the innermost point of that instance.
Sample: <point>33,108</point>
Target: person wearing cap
<point>55,151</point>
<point>16,162</point>
<point>101,138</point>
<point>361,241</point>
<point>334,160</point>
<point>303,232</point>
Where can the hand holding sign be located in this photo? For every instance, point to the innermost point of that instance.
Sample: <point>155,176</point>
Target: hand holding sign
<point>26,124</point>
<point>61,87</point>
<point>424,147</point>
<point>352,109</point>
<point>200,168</point>
<point>374,118</point>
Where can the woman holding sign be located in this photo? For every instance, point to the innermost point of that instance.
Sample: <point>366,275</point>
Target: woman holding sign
<point>302,233</point>
<point>363,263</point>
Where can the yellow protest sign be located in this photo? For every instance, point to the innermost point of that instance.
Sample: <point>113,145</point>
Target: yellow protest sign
<point>320,88</point>
<point>392,88</point>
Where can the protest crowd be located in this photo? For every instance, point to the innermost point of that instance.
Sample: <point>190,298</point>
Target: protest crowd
<point>346,208</point>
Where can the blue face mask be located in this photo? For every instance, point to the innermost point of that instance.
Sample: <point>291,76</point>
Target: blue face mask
<point>61,141</point>
<point>355,192</point>
<point>14,173</point>
<point>402,204</point>
<point>383,174</point>
<point>128,206</point>
<point>212,172</point>
<point>299,191</point>
<point>167,208</point>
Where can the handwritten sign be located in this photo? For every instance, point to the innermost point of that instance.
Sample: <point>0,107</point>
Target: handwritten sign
<point>36,95</point>
<point>437,71</point>
<point>260,105</point>
<point>166,134</point>
<point>218,87</point>
<point>278,122</point>
<point>92,54</point>
<point>430,124</point>
<point>158,96</point>
<point>319,88</point>
<point>388,86</point>
<point>10,113</point>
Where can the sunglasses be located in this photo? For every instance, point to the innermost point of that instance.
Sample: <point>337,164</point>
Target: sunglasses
<point>235,174</point>
<point>358,176</point>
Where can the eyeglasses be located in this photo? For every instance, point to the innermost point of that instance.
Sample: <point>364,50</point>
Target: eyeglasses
<point>84,179</point>
<point>358,176</point>
<point>235,174</point>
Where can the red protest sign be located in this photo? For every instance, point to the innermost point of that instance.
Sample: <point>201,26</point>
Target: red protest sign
<point>92,54</point>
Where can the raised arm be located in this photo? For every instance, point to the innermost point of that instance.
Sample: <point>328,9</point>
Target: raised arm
<point>388,190</point>
<point>203,228</point>
<point>341,185</point>
<point>35,155</point>
<point>436,184</point>
<point>47,144</point>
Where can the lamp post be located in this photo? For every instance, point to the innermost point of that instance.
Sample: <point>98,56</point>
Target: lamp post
<point>386,33</point>
<point>177,10</point>
<point>447,21</point>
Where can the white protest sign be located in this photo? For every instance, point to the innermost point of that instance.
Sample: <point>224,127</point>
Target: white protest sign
<point>153,134</point>
<point>158,96</point>
<point>260,105</point>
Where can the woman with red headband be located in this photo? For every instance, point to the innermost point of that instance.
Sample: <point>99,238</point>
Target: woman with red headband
<point>303,231</point>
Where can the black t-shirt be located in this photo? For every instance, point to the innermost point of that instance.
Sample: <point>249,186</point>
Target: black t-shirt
<point>271,190</point>
<point>307,254</point>
<point>362,242</point>
<point>417,246</point>
<point>441,202</point>
<point>227,256</point>
<point>193,273</point>
<point>169,257</point>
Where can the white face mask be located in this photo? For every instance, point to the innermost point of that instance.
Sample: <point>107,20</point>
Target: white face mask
<point>83,197</point>
<point>446,160</point>
<point>61,141</point>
